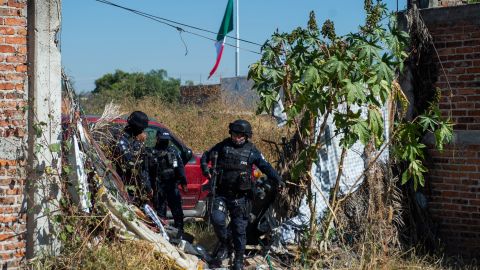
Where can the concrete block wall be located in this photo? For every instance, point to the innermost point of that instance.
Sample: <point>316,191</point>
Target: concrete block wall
<point>13,100</point>
<point>450,3</point>
<point>454,178</point>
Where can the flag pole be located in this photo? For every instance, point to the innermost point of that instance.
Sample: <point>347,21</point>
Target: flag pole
<point>237,51</point>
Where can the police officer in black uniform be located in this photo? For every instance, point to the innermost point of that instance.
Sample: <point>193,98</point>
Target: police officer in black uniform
<point>236,155</point>
<point>167,172</point>
<point>128,156</point>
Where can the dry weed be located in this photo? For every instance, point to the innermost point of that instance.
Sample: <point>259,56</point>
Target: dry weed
<point>110,255</point>
<point>204,235</point>
<point>200,127</point>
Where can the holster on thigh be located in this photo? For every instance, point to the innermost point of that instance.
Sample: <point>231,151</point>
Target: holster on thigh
<point>220,205</point>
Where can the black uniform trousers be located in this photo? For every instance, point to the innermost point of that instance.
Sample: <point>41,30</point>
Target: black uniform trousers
<point>169,193</point>
<point>237,209</point>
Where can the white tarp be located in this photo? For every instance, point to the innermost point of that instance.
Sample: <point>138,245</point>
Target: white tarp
<point>324,172</point>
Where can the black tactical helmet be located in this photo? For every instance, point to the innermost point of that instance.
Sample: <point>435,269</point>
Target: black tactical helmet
<point>240,126</point>
<point>163,135</point>
<point>163,139</point>
<point>138,120</point>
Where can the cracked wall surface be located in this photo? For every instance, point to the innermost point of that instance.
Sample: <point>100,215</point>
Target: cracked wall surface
<point>13,130</point>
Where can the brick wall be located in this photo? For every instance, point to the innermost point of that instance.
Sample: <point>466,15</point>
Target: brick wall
<point>450,3</point>
<point>13,78</point>
<point>454,179</point>
<point>199,94</point>
<point>437,3</point>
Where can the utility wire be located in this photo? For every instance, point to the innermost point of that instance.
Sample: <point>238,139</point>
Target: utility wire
<point>171,24</point>
<point>179,23</point>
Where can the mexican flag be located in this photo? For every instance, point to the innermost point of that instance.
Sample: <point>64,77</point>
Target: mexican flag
<point>225,28</point>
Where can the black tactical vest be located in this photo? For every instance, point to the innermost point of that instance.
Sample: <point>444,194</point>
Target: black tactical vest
<point>164,163</point>
<point>235,169</point>
<point>128,169</point>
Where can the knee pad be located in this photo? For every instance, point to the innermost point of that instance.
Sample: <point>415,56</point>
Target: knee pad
<point>219,205</point>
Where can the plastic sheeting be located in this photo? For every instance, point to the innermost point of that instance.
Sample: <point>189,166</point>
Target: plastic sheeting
<point>324,172</point>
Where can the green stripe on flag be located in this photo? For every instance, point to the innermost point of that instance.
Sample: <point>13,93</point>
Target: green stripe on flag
<point>227,22</point>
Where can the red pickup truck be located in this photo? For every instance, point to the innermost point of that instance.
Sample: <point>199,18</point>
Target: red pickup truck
<point>195,200</point>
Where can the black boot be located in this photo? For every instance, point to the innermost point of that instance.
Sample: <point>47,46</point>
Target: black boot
<point>238,264</point>
<point>222,252</point>
<point>180,234</point>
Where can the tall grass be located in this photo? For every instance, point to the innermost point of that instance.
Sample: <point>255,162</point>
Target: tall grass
<point>200,127</point>
<point>127,255</point>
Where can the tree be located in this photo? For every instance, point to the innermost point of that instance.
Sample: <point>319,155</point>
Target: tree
<point>137,85</point>
<point>347,79</point>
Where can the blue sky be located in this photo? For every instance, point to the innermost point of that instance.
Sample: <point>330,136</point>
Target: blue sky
<point>98,39</point>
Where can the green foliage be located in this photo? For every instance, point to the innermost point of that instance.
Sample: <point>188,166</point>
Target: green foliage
<point>348,79</point>
<point>409,148</point>
<point>54,147</point>
<point>138,85</point>
<point>322,75</point>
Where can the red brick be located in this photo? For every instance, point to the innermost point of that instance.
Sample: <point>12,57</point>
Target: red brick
<point>5,162</point>
<point>475,34</point>
<point>21,68</point>
<point>15,76</point>
<point>22,31</point>
<point>22,50</point>
<point>474,113</point>
<point>472,42</point>
<point>450,207</point>
<point>454,44</point>
<point>6,219</point>
<point>468,91</point>
<point>13,191</point>
<point>455,113</point>
<point>473,70</point>
<point>465,105</point>
<point>7,31</point>
<point>19,132</point>
<point>468,77</point>
<point>15,21</point>
<point>463,64</point>
<point>446,52</point>
<point>20,254</point>
<point>475,202</point>
<point>16,40</point>
<point>7,200</point>
<point>16,3</point>
<point>473,55</point>
<point>461,36</point>
<point>5,256</point>
<point>13,246</point>
<point>19,87</point>
<point>443,38</point>
<point>7,86</point>
<point>8,12</point>
<point>6,49</point>
<point>16,59</point>
<point>9,209</point>
<point>468,195</point>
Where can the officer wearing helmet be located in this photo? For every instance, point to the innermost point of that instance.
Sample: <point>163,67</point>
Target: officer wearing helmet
<point>167,172</point>
<point>128,157</point>
<point>236,156</point>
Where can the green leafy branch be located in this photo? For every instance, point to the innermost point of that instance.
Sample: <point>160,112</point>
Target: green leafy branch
<point>408,146</point>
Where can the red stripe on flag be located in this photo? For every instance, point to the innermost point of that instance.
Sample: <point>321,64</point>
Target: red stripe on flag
<point>219,56</point>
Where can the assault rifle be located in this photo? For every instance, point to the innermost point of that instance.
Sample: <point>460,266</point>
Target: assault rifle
<point>213,182</point>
